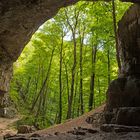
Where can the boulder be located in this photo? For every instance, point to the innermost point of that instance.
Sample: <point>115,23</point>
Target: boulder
<point>96,119</point>
<point>8,112</point>
<point>128,116</point>
<point>124,92</point>
<point>23,129</point>
<point>119,128</point>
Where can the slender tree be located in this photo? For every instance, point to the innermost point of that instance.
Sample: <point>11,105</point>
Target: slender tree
<point>60,79</point>
<point>67,80</point>
<point>43,92</point>
<point>92,79</point>
<point>108,64</point>
<point>99,91</point>
<point>116,34</point>
<point>43,85</point>
<point>73,30</point>
<point>81,35</point>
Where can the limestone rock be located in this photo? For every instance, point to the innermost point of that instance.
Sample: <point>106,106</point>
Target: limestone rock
<point>8,136</point>
<point>8,112</point>
<point>29,15</point>
<point>128,116</point>
<point>124,92</point>
<point>96,119</point>
<point>119,128</point>
<point>23,129</point>
<point>129,41</point>
<point>5,77</point>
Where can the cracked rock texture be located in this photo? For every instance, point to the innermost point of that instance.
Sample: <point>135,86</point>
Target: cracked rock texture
<point>19,19</point>
<point>125,91</point>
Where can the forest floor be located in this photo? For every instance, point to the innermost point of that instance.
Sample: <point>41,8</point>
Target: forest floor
<point>7,126</point>
<point>70,124</point>
<point>74,129</point>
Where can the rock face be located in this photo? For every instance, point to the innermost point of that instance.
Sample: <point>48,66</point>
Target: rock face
<point>128,116</point>
<point>124,92</point>
<point>19,19</point>
<point>129,41</point>
<point>119,128</point>
<point>5,77</point>
<point>8,112</point>
<point>96,119</point>
<point>123,95</point>
<point>23,129</point>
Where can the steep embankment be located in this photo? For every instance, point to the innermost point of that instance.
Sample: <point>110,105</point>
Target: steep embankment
<point>69,125</point>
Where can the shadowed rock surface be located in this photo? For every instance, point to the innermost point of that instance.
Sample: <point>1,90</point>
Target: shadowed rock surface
<point>72,130</point>
<point>81,136</point>
<point>123,95</point>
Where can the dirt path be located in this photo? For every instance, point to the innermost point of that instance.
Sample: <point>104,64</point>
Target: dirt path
<point>63,130</point>
<point>75,129</point>
<point>71,124</point>
<point>6,126</point>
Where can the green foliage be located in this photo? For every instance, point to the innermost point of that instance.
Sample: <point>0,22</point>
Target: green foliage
<point>30,70</point>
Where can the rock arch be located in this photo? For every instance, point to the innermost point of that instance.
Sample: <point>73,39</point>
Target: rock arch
<point>19,19</point>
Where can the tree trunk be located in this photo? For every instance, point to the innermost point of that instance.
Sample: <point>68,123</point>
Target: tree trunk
<point>116,35</point>
<point>99,91</point>
<point>60,82</point>
<point>43,93</point>
<point>67,79</point>
<point>81,69</point>
<point>75,95</point>
<point>108,65</point>
<point>92,79</point>
<point>44,83</point>
<point>73,79</point>
<point>73,30</point>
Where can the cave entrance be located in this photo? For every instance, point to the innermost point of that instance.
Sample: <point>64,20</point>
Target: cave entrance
<point>65,69</point>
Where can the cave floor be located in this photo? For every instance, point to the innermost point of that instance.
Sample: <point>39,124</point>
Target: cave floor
<point>73,129</point>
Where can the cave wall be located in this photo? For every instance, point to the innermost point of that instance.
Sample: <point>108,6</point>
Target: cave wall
<point>125,91</point>
<point>129,42</point>
<point>123,95</point>
<point>19,19</point>
<point>5,77</point>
